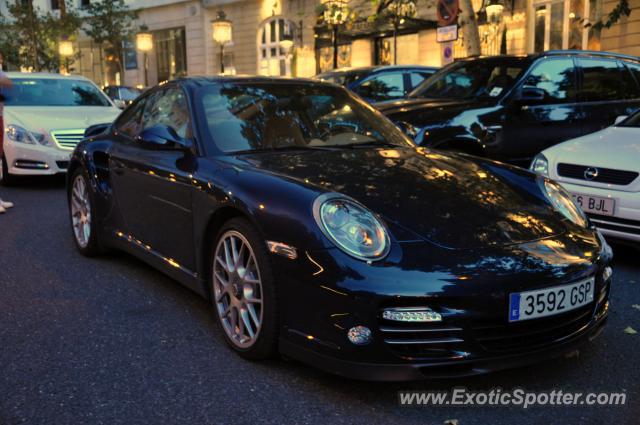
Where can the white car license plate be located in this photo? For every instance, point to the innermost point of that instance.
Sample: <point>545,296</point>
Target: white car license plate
<point>595,204</point>
<point>550,301</point>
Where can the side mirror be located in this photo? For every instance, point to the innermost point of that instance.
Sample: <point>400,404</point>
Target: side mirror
<point>120,103</point>
<point>620,119</point>
<point>530,93</point>
<point>163,137</point>
<point>96,129</point>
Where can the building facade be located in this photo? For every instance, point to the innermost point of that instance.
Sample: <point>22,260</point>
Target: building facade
<point>183,43</point>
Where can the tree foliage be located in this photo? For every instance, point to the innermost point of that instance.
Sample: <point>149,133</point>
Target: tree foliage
<point>111,23</point>
<point>29,37</point>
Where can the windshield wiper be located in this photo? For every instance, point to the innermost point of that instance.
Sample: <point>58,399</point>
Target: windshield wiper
<point>376,144</point>
<point>284,149</point>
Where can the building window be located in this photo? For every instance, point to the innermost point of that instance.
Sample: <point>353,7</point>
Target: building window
<point>563,24</point>
<point>85,3</point>
<point>55,5</point>
<point>171,51</point>
<point>272,59</point>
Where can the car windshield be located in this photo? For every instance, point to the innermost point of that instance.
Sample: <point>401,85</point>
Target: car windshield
<point>472,79</point>
<point>53,92</point>
<point>129,93</point>
<point>267,116</point>
<point>342,78</point>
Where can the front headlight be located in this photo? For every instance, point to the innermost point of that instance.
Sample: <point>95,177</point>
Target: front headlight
<point>351,227</point>
<point>563,201</point>
<point>540,165</point>
<point>17,134</point>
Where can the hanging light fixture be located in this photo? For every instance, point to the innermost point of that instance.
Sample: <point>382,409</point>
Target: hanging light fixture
<point>287,42</point>
<point>144,43</point>
<point>494,10</point>
<point>221,29</point>
<point>65,48</point>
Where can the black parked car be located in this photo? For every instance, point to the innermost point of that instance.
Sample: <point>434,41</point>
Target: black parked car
<point>511,108</point>
<point>380,83</point>
<point>317,229</point>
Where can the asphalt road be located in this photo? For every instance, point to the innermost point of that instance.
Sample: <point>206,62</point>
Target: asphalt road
<point>112,341</point>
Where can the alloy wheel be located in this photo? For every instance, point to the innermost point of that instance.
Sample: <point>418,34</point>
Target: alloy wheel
<point>81,211</point>
<point>237,289</point>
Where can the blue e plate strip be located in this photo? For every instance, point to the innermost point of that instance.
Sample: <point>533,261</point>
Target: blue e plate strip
<point>514,307</point>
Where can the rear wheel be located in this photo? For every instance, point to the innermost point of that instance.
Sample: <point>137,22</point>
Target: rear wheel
<point>81,209</point>
<point>243,290</point>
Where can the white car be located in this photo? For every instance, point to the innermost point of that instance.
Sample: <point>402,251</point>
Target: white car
<point>601,170</point>
<point>45,116</point>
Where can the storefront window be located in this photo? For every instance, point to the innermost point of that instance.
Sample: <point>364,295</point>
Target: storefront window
<point>170,53</point>
<point>407,55</point>
<point>324,57</point>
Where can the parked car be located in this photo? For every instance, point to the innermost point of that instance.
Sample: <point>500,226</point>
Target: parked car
<point>380,83</point>
<point>317,229</point>
<point>45,117</point>
<point>512,107</point>
<point>122,96</point>
<point>601,171</point>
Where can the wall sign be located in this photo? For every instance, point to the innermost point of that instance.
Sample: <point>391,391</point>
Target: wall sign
<point>448,33</point>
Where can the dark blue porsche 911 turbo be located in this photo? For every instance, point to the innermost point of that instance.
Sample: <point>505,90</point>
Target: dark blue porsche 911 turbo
<point>319,231</point>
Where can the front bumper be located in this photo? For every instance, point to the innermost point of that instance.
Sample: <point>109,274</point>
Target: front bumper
<point>468,289</point>
<point>434,370</point>
<point>27,159</point>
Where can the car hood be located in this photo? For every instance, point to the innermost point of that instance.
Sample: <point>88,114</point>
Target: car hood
<point>423,112</point>
<point>446,199</point>
<point>47,118</point>
<point>613,147</point>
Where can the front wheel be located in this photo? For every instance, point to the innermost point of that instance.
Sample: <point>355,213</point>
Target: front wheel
<point>82,212</point>
<point>243,290</point>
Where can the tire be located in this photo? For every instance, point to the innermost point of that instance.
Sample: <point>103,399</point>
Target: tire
<point>6,179</point>
<point>249,328</point>
<point>81,213</point>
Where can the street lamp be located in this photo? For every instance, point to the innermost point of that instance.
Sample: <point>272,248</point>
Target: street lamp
<point>144,43</point>
<point>65,48</point>
<point>335,14</point>
<point>286,44</point>
<point>221,29</point>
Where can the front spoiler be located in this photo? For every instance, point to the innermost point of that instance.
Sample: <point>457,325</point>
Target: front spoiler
<point>433,370</point>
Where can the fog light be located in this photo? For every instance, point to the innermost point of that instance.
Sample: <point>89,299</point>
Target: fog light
<point>606,273</point>
<point>359,335</point>
<point>417,314</point>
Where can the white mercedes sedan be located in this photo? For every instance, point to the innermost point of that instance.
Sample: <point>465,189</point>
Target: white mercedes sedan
<point>45,116</point>
<point>601,171</point>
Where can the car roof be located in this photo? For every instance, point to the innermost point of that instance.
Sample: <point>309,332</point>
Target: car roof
<point>45,75</point>
<point>379,68</point>
<point>207,80</point>
<point>533,56</point>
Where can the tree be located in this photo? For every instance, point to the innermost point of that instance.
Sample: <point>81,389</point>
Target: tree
<point>29,37</point>
<point>111,22</point>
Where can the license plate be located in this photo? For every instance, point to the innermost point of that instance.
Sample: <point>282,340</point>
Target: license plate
<point>549,301</point>
<point>595,204</point>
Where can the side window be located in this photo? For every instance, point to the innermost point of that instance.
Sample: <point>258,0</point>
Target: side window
<point>556,78</point>
<point>383,87</point>
<point>416,78</point>
<point>168,107</point>
<point>630,85</point>
<point>601,80</point>
<point>129,122</point>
